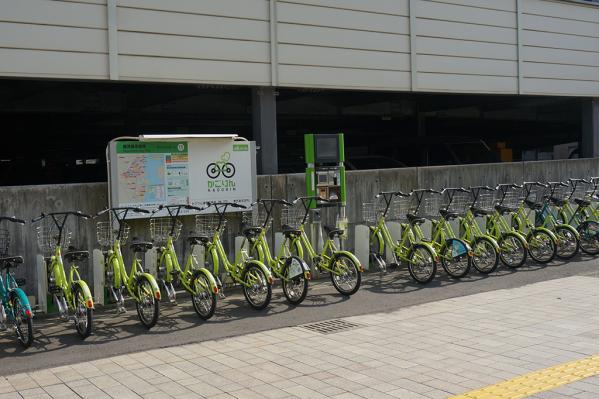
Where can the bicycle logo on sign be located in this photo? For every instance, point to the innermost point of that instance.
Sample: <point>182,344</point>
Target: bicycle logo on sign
<point>224,167</point>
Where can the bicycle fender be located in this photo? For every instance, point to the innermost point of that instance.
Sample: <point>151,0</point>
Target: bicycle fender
<point>210,277</point>
<point>572,229</point>
<point>298,244</point>
<point>20,294</point>
<point>518,236</point>
<point>449,243</point>
<point>215,261</point>
<point>168,264</point>
<point>303,264</point>
<point>546,230</point>
<point>349,255</point>
<point>89,300</point>
<point>429,246</point>
<point>381,241</point>
<point>493,241</point>
<point>261,265</point>
<point>152,281</point>
<point>116,270</point>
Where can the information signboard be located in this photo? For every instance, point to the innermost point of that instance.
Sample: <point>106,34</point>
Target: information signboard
<point>150,173</point>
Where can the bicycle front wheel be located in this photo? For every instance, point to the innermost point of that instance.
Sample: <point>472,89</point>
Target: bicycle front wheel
<point>203,299</point>
<point>83,315</point>
<point>256,288</point>
<point>513,250</point>
<point>541,246</point>
<point>148,307</point>
<point>23,324</point>
<point>422,264</point>
<point>345,275</point>
<point>455,259</point>
<point>486,257</point>
<point>568,244</point>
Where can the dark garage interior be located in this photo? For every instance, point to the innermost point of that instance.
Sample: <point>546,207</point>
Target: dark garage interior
<point>56,132</point>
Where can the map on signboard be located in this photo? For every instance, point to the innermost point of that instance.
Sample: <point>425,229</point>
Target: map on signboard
<point>152,173</point>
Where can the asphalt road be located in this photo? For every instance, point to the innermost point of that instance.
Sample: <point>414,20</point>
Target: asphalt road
<point>58,344</point>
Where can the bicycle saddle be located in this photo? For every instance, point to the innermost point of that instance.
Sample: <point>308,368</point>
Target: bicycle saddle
<point>141,246</point>
<point>73,256</point>
<point>582,202</point>
<point>289,231</point>
<point>504,209</point>
<point>196,240</point>
<point>479,212</point>
<point>534,205</point>
<point>251,231</point>
<point>448,215</point>
<point>558,201</point>
<point>413,219</point>
<point>332,232</point>
<point>8,261</point>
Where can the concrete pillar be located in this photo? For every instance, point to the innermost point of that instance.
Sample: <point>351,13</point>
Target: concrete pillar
<point>590,128</point>
<point>264,122</point>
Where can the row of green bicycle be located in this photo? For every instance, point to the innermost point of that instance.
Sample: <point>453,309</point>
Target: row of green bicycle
<point>253,268</point>
<point>482,226</point>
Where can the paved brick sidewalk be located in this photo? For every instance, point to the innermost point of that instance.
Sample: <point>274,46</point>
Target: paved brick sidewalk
<point>434,350</point>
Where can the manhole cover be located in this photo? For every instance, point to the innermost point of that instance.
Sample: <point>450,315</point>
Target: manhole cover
<point>331,326</point>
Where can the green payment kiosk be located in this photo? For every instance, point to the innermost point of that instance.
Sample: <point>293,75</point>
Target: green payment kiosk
<point>325,172</point>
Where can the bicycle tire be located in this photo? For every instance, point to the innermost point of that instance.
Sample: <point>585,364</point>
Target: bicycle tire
<point>207,297</point>
<point>24,341</point>
<point>253,270</point>
<point>428,276</point>
<point>299,281</point>
<point>479,255</point>
<point>355,269</point>
<point>463,268</point>
<point>84,330</point>
<point>566,235</point>
<point>144,286</point>
<point>213,170</point>
<point>511,243</point>
<point>544,239</point>
<point>228,170</point>
<point>589,237</point>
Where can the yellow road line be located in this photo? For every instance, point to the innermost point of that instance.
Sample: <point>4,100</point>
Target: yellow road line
<point>537,381</point>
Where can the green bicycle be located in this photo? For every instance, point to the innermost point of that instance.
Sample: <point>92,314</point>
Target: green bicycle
<point>343,267</point>
<point>512,245</point>
<point>542,243</point>
<point>485,250</point>
<point>293,272</point>
<point>565,237</point>
<point>72,293</point>
<point>140,285</point>
<point>198,282</point>
<point>253,276</point>
<point>420,256</point>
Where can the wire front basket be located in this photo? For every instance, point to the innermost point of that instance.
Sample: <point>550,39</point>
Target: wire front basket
<point>459,203</point>
<point>256,217</point>
<point>581,191</point>
<point>292,216</point>
<point>107,233</point>
<point>400,207</point>
<point>47,237</point>
<point>561,192</point>
<point>512,199</point>
<point>429,206</point>
<point>537,194</point>
<point>4,242</point>
<point>206,224</point>
<point>160,229</point>
<point>485,201</point>
<point>371,212</point>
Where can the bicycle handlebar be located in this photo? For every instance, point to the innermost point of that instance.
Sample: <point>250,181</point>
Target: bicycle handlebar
<point>272,200</point>
<point>196,208</point>
<point>397,193</point>
<point>574,180</point>
<point>74,213</point>
<point>557,183</point>
<point>460,189</point>
<point>232,204</point>
<point>487,188</point>
<point>310,198</point>
<point>508,185</point>
<point>12,219</point>
<point>123,208</point>
<point>534,183</point>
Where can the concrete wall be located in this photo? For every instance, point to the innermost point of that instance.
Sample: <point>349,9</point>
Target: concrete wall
<point>27,202</point>
<point>472,46</point>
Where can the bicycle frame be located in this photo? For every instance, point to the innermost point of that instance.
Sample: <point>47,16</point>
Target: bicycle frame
<point>8,291</point>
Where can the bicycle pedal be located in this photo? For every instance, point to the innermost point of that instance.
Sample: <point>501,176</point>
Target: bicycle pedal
<point>120,310</point>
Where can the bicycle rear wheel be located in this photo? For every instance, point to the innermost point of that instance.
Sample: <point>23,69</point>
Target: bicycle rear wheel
<point>422,264</point>
<point>148,307</point>
<point>23,324</point>
<point>589,237</point>
<point>257,290</point>
<point>568,244</point>
<point>83,315</point>
<point>295,285</point>
<point>203,300</point>
<point>541,246</point>
<point>486,256</point>
<point>513,250</point>
<point>455,259</point>
<point>345,275</point>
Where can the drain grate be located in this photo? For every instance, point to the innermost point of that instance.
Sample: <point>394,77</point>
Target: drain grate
<point>331,326</point>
